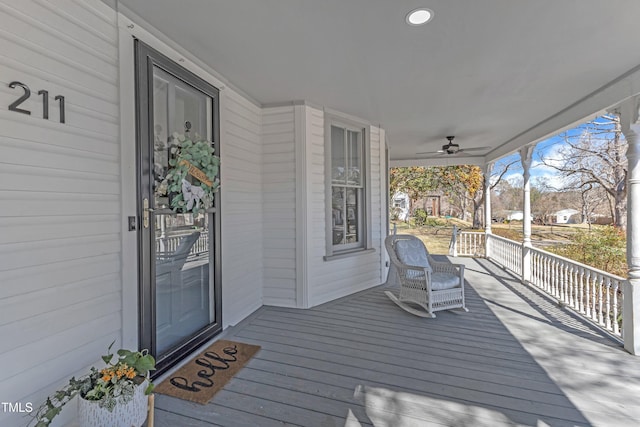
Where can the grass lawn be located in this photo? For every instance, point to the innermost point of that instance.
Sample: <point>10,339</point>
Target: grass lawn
<point>437,238</point>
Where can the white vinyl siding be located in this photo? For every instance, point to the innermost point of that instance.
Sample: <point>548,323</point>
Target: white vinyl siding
<point>242,209</point>
<point>328,280</point>
<point>60,247</point>
<point>279,202</point>
<point>68,267</point>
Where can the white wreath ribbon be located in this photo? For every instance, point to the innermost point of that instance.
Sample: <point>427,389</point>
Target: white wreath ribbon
<point>191,194</point>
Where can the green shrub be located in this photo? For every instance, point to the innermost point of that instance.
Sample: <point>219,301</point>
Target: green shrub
<point>420,217</point>
<point>434,222</point>
<point>602,248</point>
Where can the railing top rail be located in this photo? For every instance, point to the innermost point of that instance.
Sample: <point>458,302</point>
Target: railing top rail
<point>493,236</point>
<point>563,259</point>
<point>579,264</point>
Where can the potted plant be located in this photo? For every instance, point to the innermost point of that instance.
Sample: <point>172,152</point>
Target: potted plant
<point>112,396</point>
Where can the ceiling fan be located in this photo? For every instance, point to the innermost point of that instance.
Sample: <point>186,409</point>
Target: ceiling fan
<point>451,148</point>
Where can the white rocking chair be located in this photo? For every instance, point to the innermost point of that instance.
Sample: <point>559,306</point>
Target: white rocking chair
<point>430,284</point>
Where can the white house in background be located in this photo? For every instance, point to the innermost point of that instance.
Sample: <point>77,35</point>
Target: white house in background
<point>401,205</point>
<point>514,215</point>
<point>296,98</point>
<point>567,216</point>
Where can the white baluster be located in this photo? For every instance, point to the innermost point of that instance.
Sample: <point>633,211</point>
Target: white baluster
<point>616,326</point>
<point>607,289</point>
<point>594,300</point>
<point>581,290</point>
<point>572,285</point>
<point>600,302</point>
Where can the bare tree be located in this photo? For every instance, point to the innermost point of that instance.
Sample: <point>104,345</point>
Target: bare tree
<point>496,175</point>
<point>596,158</point>
<point>509,194</point>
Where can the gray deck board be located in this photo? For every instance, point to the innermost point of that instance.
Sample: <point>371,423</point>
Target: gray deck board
<point>516,358</point>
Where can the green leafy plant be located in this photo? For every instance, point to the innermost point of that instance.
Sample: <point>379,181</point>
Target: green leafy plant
<point>109,386</point>
<point>193,167</point>
<point>420,217</point>
<point>604,248</point>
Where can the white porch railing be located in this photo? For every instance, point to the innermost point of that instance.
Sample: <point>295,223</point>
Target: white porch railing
<point>506,252</point>
<point>170,244</point>
<point>592,293</point>
<point>467,243</point>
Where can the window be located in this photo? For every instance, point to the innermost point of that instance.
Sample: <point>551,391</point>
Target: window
<point>346,154</point>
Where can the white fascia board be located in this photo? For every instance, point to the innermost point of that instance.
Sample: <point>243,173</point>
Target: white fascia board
<point>589,107</point>
<point>439,161</point>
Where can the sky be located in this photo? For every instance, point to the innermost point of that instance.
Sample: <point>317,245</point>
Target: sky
<point>548,149</point>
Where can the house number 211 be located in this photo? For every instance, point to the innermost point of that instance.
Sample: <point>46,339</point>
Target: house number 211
<point>45,101</point>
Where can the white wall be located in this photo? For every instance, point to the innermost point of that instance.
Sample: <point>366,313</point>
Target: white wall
<point>279,202</point>
<point>60,286</point>
<point>242,211</point>
<point>68,265</point>
<point>331,279</point>
<point>294,200</point>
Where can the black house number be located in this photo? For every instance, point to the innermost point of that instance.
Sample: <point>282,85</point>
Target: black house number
<point>14,106</point>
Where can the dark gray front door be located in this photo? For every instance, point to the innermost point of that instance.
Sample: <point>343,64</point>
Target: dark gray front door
<point>180,304</point>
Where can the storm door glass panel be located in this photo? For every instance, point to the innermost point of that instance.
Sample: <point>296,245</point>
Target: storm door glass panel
<point>183,281</point>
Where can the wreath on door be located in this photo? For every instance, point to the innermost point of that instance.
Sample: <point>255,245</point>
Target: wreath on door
<point>192,178</point>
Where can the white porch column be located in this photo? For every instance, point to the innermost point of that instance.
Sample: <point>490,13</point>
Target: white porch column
<point>526,155</point>
<point>631,288</point>
<point>487,209</point>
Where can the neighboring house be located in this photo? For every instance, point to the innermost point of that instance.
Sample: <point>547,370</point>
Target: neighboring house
<point>401,206</point>
<point>514,215</point>
<point>567,216</point>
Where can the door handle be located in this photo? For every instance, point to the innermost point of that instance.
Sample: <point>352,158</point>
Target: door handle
<point>145,212</point>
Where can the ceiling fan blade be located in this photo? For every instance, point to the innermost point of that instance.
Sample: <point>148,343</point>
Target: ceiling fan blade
<point>475,149</point>
<point>431,152</point>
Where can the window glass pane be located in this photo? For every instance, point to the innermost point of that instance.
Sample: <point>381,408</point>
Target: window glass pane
<point>353,215</point>
<point>338,215</point>
<point>355,158</point>
<point>347,188</point>
<point>338,163</point>
<point>191,110</point>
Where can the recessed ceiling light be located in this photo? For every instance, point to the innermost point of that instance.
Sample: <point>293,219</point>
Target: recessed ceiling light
<point>419,16</point>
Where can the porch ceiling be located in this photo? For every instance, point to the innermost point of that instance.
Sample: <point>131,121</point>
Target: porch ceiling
<point>495,73</point>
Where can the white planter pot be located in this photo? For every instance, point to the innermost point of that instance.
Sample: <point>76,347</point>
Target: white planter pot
<point>132,414</point>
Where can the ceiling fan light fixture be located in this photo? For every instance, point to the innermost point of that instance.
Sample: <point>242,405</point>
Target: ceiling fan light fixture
<point>452,148</point>
<point>419,16</point>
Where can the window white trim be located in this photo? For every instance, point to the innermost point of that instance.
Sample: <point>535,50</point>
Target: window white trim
<point>364,193</point>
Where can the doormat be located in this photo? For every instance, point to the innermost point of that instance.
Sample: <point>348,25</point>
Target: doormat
<point>204,376</point>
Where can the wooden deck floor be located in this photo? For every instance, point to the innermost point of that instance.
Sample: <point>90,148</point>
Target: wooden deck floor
<point>515,359</point>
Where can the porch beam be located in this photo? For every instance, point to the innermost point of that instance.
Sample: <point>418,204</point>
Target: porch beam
<point>526,156</point>
<point>629,119</point>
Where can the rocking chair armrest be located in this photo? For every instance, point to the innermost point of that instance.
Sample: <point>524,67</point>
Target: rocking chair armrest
<point>416,268</point>
<point>445,267</point>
